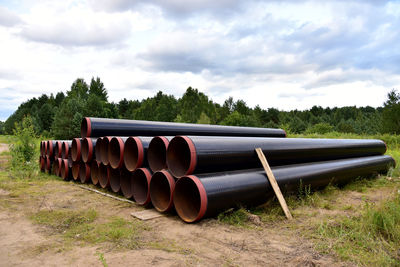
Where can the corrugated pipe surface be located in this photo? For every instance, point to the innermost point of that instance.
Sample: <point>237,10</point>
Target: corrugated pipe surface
<point>95,127</point>
<point>203,195</point>
<point>201,154</point>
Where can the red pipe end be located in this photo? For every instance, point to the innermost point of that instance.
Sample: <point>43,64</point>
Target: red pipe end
<point>65,150</point>
<point>116,152</point>
<point>94,172</point>
<point>76,149</point>
<point>87,150</point>
<point>104,149</point>
<point>157,153</point>
<point>97,148</point>
<point>126,184</point>
<point>104,175</point>
<point>190,199</point>
<point>162,187</point>
<point>45,148</point>
<point>140,186</point>
<point>115,180</point>
<point>59,161</point>
<point>181,156</point>
<point>133,153</point>
<point>86,127</point>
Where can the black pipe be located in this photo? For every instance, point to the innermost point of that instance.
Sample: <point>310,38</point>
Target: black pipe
<point>135,152</point>
<point>58,148</point>
<point>115,179</point>
<point>76,148</point>
<point>126,185</point>
<point>97,149</point>
<point>198,196</point>
<point>104,175</point>
<point>116,151</point>
<point>51,144</point>
<point>88,149</point>
<point>157,153</point>
<point>104,149</point>
<point>140,186</point>
<point>162,186</point>
<point>65,170</point>
<point>84,172</point>
<point>201,154</point>
<point>49,163</point>
<point>66,150</point>
<point>94,172</point>
<point>94,127</point>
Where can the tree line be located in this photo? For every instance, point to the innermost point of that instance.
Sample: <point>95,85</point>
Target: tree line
<point>60,115</point>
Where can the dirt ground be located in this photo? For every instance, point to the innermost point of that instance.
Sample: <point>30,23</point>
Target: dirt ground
<point>209,242</point>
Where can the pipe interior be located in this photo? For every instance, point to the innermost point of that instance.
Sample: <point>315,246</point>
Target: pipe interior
<point>125,182</point>
<point>103,175</point>
<point>187,199</point>
<point>94,172</point>
<point>84,128</point>
<point>160,191</point>
<point>131,154</point>
<point>104,151</point>
<point>140,187</point>
<point>157,154</point>
<point>74,149</point>
<point>115,180</point>
<point>114,153</point>
<point>63,174</point>
<point>82,172</point>
<point>97,149</point>
<point>178,156</point>
<point>75,170</point>
<point>85,150</point>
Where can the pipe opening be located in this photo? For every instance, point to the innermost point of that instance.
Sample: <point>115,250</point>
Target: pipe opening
<point>103,175</point>
<point>48,164</point>
<point>115,183</point>
<point>133,153</point>
<point>157,153</point>
<point>116,152</point>
<point>84,172</point>
<point>94,172</point>
<point>48,148</point>
<point>97,150</point>
<point>54,168</point>
<point>86,128</point>
<point>64,150</point>
<point>42,164</point>
<point>125,182</point>
<point>140,186</point>
<point>75,170</point>
<point>181,156</point>
<point>187,199</point>
<point>59,161</point>
<point>57,149</point>
<point>64,169</point>
<point>76,149</point>
<point>87,150</point>
<point>161,191</point>
<point>104,150</point>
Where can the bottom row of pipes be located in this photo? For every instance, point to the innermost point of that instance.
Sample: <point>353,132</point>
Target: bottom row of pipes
<point>198,196</point>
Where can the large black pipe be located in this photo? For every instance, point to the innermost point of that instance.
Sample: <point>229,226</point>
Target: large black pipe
<point>58,148</point>
<point>162,186</point>
<point>203,195</point>
<point>76,148</point>
<point>104,175</point>
<point>135,152</point>
<point>140,186</point>
<point>126,184</point>
<point>201,154</point>
<point>88,149</point>
<point>94,172</point>
<point>116,151</point>
<point>84,172</point>
<point>51,144</point>
<point>115,179</point>
<point>65,170</point>
<point>66,150</point>
<point>157,153</point>
<point>104,149</point>
<point>95,127</point>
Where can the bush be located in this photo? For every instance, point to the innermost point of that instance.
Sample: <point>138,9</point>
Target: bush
<point>321,128</point>
<point>23,151</point>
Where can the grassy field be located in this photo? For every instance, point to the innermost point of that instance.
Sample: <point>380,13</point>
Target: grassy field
<point>358,223</point>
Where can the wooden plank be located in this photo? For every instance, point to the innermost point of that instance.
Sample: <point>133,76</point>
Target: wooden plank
<point>145,215</point>
<point>273,183</point>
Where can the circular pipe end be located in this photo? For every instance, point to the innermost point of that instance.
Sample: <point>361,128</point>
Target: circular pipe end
<point>65,169</point>
<point>125,181</point>
<point>84,172</point>
<point>87,150</point>
<point>75,170</point>
<point>181,156</point>
<point>115,180</point>
<point>162,186</point>
<point>76,149</point>
<point>157,153</point>
<point>104,175</point>
<point>59,161</point>
<point>97,149</point>
<point>86,127</point>
<point>104,150</point>
<point>140,186</point>
<point>190,199</point>
<point>65,150</point>
<point>45,148</point>
<point>94,172</point>
<point>133,153</point>
<point>116,152</point>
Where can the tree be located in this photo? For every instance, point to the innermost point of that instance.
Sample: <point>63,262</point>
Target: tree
<point>67,120</point>
<point>391,113</point>
<point>46,116</point>
<point>79,89</point>
<point>97,88</point>
<point>1,127</point>
<point>321,128</point>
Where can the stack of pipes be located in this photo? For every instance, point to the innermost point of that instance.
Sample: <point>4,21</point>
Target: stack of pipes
<point>201,170</point>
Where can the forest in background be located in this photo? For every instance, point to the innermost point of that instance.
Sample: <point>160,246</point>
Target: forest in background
<point>60,116</point>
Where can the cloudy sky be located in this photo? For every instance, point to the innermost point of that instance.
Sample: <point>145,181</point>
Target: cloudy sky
<point>282,54</point>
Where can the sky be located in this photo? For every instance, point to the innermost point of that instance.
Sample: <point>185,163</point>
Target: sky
<point>282,54</point>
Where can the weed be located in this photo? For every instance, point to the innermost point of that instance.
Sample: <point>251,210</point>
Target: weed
<point>237,217</point>
<point>102,259</point>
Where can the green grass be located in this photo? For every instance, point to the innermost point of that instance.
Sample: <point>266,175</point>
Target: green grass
<point>234,217</point>
<point>7,139</point>
<point>372,239</point>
